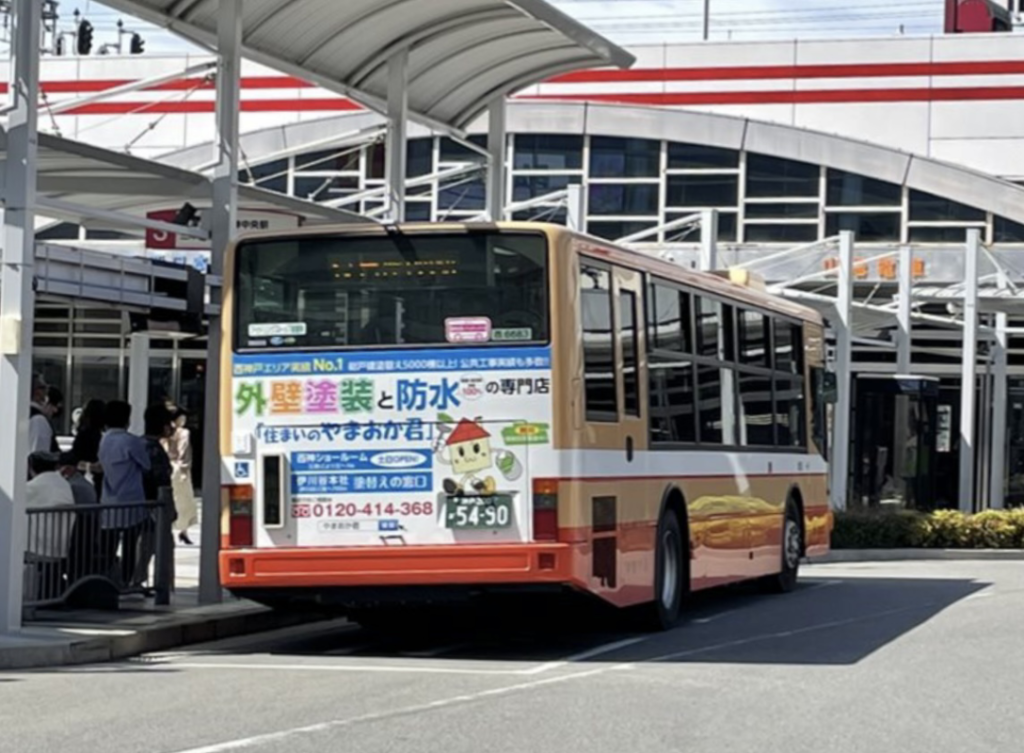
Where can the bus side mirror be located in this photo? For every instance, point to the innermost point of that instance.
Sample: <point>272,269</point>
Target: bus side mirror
<point>829,387</point>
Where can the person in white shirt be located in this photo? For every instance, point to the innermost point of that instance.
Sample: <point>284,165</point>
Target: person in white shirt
<point>40,430</point>
<point>48,488</point>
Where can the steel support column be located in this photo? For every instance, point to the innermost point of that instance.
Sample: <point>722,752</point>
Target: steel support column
<point>842,325</point>
<point>708,240</point>
<point>904,361</point>
<point>968,397</point>
<point>138,379</point>
<point>575,212</point>
<point>223,227</point>
<point>497,140</point>
<point>997,469</point>
<point>17,303</point>
<point>397,139</point>
<point>905,333</point>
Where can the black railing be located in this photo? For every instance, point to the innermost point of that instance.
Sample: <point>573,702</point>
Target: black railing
<point>91,555</point>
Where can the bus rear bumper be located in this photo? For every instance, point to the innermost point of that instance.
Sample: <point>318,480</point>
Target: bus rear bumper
<point>460,564</point>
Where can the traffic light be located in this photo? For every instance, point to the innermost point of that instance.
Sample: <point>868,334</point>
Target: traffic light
<point>138,44</point>
<point>84,38</point>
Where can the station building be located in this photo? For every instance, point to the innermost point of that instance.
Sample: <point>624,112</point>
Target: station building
<point>904,141</point>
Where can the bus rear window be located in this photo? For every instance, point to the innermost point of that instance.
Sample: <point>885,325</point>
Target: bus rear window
<point>471,289</point>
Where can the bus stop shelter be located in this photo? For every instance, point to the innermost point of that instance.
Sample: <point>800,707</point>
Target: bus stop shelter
<point>441,63</point>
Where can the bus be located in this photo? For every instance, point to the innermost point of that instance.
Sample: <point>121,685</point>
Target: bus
<point>424,411</point>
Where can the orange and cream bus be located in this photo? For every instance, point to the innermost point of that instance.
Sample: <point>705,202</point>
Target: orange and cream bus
<point>467,408</point>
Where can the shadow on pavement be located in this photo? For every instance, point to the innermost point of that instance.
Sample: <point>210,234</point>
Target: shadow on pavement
<point>825,622</point>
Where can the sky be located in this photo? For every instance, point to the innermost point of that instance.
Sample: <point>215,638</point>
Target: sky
<point>632,22</point>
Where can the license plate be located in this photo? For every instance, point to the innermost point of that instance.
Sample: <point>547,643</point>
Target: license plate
<point>478,512</point>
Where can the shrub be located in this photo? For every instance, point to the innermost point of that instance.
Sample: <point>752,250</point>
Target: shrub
<point>942,529</point>
<point>876,530</point>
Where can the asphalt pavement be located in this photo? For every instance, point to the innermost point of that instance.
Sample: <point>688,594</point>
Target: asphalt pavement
<point>900,656</point>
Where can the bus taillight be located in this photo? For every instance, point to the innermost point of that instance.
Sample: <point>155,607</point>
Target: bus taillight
<point>240,517</point>
<point>545,510</point>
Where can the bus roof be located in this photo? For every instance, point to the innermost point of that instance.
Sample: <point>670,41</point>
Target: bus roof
<point>713,283</point>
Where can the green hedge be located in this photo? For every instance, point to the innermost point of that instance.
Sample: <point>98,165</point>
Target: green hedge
<point>944,529</point>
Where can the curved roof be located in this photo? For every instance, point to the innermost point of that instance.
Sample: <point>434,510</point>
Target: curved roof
<point>74,178</point>
<point>462,53</point>
<point>926,174</point>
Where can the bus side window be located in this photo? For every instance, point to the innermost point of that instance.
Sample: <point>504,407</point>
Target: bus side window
<point>819,410</point>
<point>599,383</point>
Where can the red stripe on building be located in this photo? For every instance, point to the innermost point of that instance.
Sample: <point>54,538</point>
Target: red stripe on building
<point>809,96</point>
<point>205,107</point>
<point>762,72</point>
<point>731,73</point>
<point>670,99</point>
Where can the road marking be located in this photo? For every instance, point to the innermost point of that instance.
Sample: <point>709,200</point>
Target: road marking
<point>271,737</point>
<point>607,648</point>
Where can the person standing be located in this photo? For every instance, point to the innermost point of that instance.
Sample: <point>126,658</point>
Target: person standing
<point>54,410</point>
<point>158,429</point>
<point>125,461</point>
<point>86,447</point>
<point>40,431</point>
<point>179,449</point>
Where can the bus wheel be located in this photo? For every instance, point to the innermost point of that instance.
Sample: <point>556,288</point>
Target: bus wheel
<point>792,546</point>
<point>669,573</point>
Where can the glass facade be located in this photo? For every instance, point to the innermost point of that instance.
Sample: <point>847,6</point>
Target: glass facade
<point>632,184</point>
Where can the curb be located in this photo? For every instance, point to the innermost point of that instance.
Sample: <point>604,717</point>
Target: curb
<point>123,641</point>
<point>919,555</point>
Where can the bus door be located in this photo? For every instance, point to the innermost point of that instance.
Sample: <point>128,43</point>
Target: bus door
<point>613,422</point>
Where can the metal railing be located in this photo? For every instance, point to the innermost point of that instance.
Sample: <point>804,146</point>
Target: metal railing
<point>91,555</point>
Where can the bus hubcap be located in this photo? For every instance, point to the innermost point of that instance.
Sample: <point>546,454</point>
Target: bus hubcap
<point>670,582</point>
<point>792,544</point>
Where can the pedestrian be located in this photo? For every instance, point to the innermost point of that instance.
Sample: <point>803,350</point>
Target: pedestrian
<point>40,432</point>
<point>86,447</point>
<point>47,488</point>
<point>55,410</point>
<point>125,462</point>
<point>159,426</point>
<point>179,449</point>
<point>49,533</point>
<point>85,536</point>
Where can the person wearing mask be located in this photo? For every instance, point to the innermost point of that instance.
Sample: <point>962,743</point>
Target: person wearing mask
<point>179,449</point>
<point>125,461</point>
<point>86,447</point>
<point>40,431</point>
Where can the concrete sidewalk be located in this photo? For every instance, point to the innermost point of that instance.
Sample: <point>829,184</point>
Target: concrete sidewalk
<point>56,637</point>
<point>901,555</point>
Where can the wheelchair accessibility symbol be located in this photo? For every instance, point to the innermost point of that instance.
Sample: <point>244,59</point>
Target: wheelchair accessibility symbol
<point>243,470</point>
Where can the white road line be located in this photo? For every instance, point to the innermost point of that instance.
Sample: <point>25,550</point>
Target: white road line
<point>380,668</point>
<point>584,655</point>
<point>258,740</point>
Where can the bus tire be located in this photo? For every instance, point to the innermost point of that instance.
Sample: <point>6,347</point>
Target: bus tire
<point>792,550</point>
<point>670,572</point>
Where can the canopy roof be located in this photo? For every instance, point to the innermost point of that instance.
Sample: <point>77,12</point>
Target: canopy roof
<point>462,53</point>
<point>85,178</point>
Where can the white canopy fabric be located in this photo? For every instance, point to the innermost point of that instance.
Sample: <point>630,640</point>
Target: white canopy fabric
<point>462,53</point>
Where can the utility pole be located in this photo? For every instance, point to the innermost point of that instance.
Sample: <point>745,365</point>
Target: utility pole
<point>707,19</point>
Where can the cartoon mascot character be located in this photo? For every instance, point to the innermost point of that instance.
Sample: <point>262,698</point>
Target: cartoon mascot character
<point>469,453</point>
